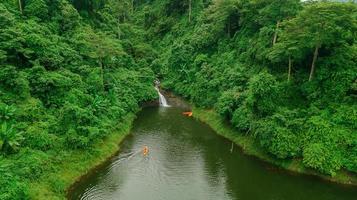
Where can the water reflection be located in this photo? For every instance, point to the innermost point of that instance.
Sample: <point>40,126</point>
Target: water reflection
<point>188,161</point>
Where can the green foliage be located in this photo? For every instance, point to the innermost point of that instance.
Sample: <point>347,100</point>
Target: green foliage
<point>37,8</point>
<point>7,112</point>
<point>69,18</point>
<point>242,118</point>
<point>31,164</point>
<point>38,137</point>
<point>13,83</point>
<point>15,188</point>
<point>250,61</point>
<point>320,157</point>
<point>67,79</point>
<point>281,133</point>
<point>262,94</point>
<point>10,138</point>
<point>228,102</point>
<point>71,70</point>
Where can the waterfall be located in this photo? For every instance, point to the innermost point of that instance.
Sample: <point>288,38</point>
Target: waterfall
<point>162,99</point>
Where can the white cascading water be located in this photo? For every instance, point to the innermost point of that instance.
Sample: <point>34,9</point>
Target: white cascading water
<point>162,99</point>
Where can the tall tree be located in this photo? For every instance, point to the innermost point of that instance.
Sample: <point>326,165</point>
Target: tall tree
<point>287,49</point>
<point>322,25</point>
<point>20,5</point>
<point>275,11</point>
<point>189,10</point>
<point>99,47</point>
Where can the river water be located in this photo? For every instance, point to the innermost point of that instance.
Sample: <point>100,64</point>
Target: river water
<point>188,161</point>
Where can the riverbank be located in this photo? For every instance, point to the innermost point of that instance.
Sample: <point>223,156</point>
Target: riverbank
<point>250,147</point>
<point>76,164</point>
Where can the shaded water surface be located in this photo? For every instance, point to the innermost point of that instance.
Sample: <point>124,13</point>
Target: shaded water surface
<point>188,161</point>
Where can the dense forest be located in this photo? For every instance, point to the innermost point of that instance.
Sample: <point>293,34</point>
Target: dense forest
<point>283,72</point>
<point>66,80</point>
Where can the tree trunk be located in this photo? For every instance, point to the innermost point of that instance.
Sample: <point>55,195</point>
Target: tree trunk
<point>132,7</point>
<point>20,6</point>
<point>276,32</point>
<point>316,53</point>
<point>290,66</point>
<point>189,10</point>
<point>118,28</point>
<point>229,28</point>
<point>101,72</point>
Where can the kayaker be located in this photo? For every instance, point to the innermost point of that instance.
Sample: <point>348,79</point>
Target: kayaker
<point>145,150</point>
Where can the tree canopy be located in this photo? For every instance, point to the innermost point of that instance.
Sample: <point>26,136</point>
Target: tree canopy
<point>283,73</point>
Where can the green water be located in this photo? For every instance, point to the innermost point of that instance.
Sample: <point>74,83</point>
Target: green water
<point>188,161</point>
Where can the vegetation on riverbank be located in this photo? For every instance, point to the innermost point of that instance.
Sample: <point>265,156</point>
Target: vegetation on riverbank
<point>250,147</point>
<point>67,80</point>
<point>281,72</point>
<point>76,164</point>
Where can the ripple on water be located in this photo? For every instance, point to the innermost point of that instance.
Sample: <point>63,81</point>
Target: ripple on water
<point>187,161</point>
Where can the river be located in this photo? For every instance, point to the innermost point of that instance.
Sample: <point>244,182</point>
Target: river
<point>188,161</point>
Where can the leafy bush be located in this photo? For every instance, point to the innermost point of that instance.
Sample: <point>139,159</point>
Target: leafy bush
<point>14,82</point>
<point>37,8</point>
<point>30,164</point>
<point>281,134</point>
<point>228,102</point>
<point>10,138</point>
<point>262,94</point>
<point>38,137</point>
<point>322,158</point>
<point>242,118</point>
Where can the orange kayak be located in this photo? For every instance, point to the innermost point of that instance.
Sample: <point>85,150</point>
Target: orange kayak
<point>145,150</point>
<point>188,114</point>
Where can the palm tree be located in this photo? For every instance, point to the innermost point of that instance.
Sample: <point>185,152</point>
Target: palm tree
<point>10,138</point>
<point>6,112</point>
